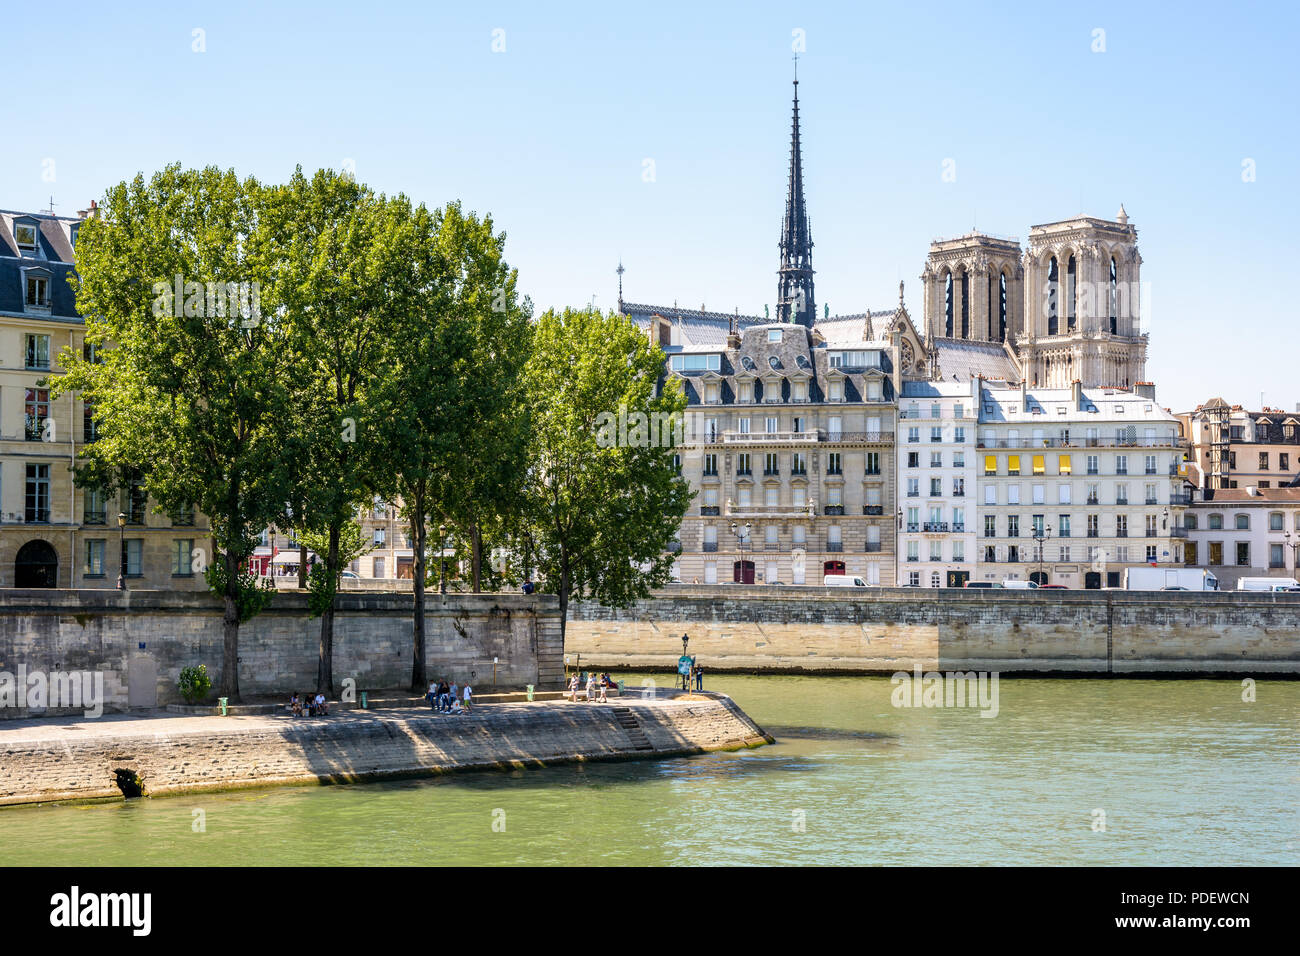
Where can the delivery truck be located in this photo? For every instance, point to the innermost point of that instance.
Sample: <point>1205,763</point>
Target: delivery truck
<point>1169,579</point>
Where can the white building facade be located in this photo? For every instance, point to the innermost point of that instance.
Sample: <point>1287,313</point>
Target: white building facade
<point>937,483</point>
<point>1075,485</point>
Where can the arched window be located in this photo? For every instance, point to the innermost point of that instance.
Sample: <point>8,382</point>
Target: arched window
<point>1071,295</point>
<point>1002,308</point>
<point>1114,296</point>
<point>965,305</point>
<point>1243,522</point>
<point>947,306</point>
<point>1053,280</point>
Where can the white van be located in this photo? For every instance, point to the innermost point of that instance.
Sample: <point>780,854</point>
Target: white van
<point>843,581</point>
<point>1268,584</point>
<point>1021,585</point>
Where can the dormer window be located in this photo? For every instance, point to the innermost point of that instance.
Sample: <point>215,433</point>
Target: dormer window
<point>774,335</point>
<point>836,391</point>
<point>25,236</point>
<point>38,291</point>
<point>774,362</point>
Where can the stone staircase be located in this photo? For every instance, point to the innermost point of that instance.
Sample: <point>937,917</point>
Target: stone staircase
<point>632,727</point>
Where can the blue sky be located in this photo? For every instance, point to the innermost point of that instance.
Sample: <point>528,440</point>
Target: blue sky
<point>551,136</point>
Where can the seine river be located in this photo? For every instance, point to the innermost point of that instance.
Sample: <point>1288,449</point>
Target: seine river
<point>1080,771</point>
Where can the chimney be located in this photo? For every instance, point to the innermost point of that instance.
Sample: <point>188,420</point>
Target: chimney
<point>1144,390</point>
<point>1076,391</point>
<point>1024,395</point>
<point>1253,491</point>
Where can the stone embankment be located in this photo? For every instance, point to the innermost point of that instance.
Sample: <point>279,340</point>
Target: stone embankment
<point>46,760</point>
<point>885,630</point>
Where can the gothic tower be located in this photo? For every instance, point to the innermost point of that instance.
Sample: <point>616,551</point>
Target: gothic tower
<point>1082,304</point>
<point>794,287</point>
<point>972,289</point>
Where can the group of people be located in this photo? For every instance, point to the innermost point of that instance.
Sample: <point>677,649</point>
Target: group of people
<point>446,698</point>
<point>595,687</point>
<point>309,706</point>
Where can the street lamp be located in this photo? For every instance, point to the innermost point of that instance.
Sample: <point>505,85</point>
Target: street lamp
<point>686,677</point>
<point>1041,535</point>
<point>121,552</point>
<point>741,534</point>
<point>1295,548</point>
<point>442,559</point>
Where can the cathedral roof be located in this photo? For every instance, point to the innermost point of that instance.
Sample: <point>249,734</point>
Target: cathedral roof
<point>961,360</point>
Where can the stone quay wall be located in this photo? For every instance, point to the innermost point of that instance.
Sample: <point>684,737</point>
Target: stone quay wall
<point>141,640</point>
<point>881,631</point>
<point>43,761</point>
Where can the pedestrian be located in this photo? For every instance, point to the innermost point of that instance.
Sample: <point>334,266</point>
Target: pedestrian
<point>573,688</point>
<point>432,695</point>
<point>699,677</point>
<point>603,698</point>
<point>469,693</point>
<point>454,694</point>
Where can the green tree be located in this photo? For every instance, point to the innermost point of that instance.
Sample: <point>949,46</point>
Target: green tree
<point>338,263</point>
<point>323,586</point>
<point>449,414</point>
<point>188,371</point>
<point>603,502</point>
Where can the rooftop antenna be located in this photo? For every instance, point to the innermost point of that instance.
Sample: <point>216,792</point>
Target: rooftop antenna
<point>51,209</point>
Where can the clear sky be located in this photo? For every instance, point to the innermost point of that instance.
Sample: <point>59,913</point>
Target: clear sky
<point>551,133</point>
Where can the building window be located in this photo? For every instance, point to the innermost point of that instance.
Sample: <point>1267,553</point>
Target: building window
<point>1121,464</point>
<point>1216,552</point>
<point>182,556</point>
<point>36,411</point>
<point>38,294</point>
<point>1121,526</point>
<point>379,567</point>
<point>798,463</point>
<point>990,526</point>
<point>1040,466</point>
<point>936,487</point>
<point>137,499</point>
<point>1243,522</point>
<point>38,493</point>
<point>771,496</point>
<point>770,464</point>
<point>1190,521</point>
<point>936,459</point>
<point>1263,461</point>
<point>25,236</point>
<point>1013,526</point>
<point>184,516</point>
<point>833,464</point>
<point>96,506</point>
<point>873,463</point>
<point>1216,522</point>
<point>1063,526</point>
<point>744,464</point>
<point>1275,558</point>
<point>1275,521</point>
<point>711,464</point>
<point>990,465</point>
<point>959,487</point>
<point>132,557</point>
<point>913,459</point>
<point>1013,464</point>
<point>913,435</point>
<point>1243,554</point>
<point>95,558</point>
<point>913,487</point>
<point>379,537</point>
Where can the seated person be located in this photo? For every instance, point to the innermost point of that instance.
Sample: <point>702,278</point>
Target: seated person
<point>295,705</point>
<point>322,706</point>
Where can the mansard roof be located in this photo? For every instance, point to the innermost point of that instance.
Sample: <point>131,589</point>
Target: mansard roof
<point>53,256</point>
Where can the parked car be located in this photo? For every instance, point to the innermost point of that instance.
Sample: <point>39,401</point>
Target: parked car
<point>1267,584</point>
<point>351,576</point>
<point>1053,587</point>
<point>982,584</point>
<point>1019,585</point>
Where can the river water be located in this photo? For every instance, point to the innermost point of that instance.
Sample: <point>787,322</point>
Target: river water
<point>1068,772</point>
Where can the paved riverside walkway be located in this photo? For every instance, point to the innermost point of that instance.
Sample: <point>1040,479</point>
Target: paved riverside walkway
<point>70,758</point>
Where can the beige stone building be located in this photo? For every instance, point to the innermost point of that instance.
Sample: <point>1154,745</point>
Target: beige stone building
<point>1233,447</point>
<point>53,534</point>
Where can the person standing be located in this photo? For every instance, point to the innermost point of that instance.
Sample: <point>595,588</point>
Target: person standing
<point>469,693</point>
<point>699,677</point>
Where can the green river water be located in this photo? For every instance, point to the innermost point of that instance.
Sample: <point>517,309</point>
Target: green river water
<point>1185,772</point>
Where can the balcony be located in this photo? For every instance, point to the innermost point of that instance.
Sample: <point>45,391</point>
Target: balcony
<point>710,510</point>
<point>744,472</point>
<point>958,527</point>
<point>913,557</point>
<point>834,509</point>
<point>798,472</point>
<point>710,547</point>
<point>834,546</point>
<point>1093,500</point>
<point>1092,533</point>
<point>936,557</point>
<point>1180,500</point>
<point>958,493</point>
<point>1152,533</point>
<point>1152,501</point>
<point>873,547</point>
<point>914,527</point>
<point>1121,533</point>
<point>936,527</point>
<point>1121,501</point>
<point>674,547</point>
<point>873,509</point>
<point>759,438</point>
<point>1082,443</point>
<point>1177,532</point>
<point>771,472</point>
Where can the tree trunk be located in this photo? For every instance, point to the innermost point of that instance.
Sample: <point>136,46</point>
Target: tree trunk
<point>325,671</point>
<point>230,631</point>
<point>476,546</point>
<point>302,566</point>
<point>564,601</point>
<point>419,678</point>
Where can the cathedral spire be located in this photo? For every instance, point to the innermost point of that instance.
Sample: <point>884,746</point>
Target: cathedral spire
<point>794,288</point>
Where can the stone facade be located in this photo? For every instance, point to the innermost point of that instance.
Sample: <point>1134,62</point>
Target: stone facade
<point>141,640</point>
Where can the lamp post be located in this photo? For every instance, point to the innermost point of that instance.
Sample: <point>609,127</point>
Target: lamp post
<point>442,559</point>
<point>741,534</point>
<point>1295,549</point>
<point>686,678</point>
<point>121,552</point>
<point>1041,535</point>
